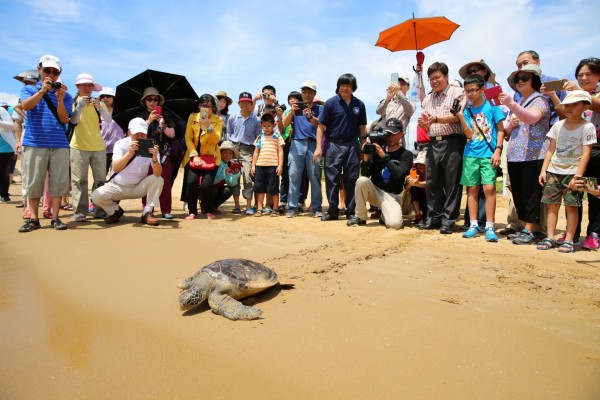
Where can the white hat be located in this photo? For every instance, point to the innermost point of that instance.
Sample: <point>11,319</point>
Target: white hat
<point>309,84</point>
<point>405,79</point>
<point>87,78</point>
<point>50,61</point>
<point>138,125</point>
<point>107,91</point>
<point>532,68</point>
<point>576,96</point>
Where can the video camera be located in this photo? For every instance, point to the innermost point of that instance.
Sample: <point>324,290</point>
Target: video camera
<point>376,136</point>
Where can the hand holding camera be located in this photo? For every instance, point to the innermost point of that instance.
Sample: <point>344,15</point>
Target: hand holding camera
<point>455,107</point>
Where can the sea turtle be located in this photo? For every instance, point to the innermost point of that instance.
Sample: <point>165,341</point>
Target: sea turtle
<point>224,282</point>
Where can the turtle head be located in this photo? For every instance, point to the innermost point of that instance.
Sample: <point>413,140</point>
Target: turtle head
<point>191,298</point>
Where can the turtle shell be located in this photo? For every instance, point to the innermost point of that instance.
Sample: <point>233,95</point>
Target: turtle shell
<point>241,273</point>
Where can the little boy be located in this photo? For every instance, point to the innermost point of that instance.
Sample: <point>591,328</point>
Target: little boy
<point>267,164</point>
<point>228,175</point>
<point>482,125</point>
<point>416,187</point>
<point>571,141</point>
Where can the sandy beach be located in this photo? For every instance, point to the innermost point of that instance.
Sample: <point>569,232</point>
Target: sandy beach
<point>92,313</point>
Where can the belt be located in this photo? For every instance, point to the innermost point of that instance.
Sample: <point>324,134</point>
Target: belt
<point>242,144</point>
<point>311,140</point>
<point>446,137</point>
<point>339,141</point>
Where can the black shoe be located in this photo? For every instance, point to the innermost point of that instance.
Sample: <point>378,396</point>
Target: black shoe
<point>429,226</point>
<point>446,230</point>
<point>507,231</point>
<point>113,219</point>
<point>329,217</point>
<point>354,220</point>
<point>281,209</point>
<point>58,225</point>
<point>30,225</point>
<point>149,219</point>
<point>4,199</point>
<point>465,227</point>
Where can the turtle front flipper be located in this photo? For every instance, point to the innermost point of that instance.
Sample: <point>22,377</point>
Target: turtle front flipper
<point>186,283</point>
<point>230,308</point>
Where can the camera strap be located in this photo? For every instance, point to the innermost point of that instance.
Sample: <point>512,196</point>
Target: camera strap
<point>52,107</point>
<point>479,129</point>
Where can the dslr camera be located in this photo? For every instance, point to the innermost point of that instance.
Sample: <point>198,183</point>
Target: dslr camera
<point>283,107</point>
<point>455,107</point>
<point>56,85</point>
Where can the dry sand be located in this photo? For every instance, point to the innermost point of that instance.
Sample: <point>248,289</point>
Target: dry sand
<point>92,313</point>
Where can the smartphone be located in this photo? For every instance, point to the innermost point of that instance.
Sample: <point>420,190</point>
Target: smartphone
<point>157,110</point>
<point>394,78</point>
<point>553,86</point>
<point>203,112</point>
<point>143,146</point>
<point>235,166</point>
<point>589,183</point>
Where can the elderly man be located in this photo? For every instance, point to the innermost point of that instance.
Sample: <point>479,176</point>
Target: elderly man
<point>445,150</point>
<point>396,105</point>
<point>130,179</point>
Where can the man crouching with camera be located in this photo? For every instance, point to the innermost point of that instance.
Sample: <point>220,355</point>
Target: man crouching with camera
<point>130,179</point>
<point>384,168</point>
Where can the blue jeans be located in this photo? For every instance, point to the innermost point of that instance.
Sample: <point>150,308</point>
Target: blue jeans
<point>300,157</point>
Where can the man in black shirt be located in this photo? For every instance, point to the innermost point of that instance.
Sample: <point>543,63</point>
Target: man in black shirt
<point>384,169</point>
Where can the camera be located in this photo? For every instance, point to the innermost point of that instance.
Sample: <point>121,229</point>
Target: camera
<point>266,95</point>
<point>283,107</point>
<point>369,149</point>
<point>455,107</point>
<point>56,85</point>
<point>378,136</point>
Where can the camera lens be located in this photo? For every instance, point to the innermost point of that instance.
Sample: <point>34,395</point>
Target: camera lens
<point>56,85</point>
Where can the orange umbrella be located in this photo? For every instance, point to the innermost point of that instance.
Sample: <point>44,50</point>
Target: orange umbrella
<point>416,33</point>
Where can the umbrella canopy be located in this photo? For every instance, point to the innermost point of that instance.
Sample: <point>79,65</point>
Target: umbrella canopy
<point>180,97</point>
<point>416,33</point>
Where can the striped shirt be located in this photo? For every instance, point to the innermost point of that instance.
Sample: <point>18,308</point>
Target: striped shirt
<point>267,147</point>
<point>439,104</point>
<point>43,129</point>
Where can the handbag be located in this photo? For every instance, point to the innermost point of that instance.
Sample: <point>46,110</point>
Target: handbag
<point>208,160</point>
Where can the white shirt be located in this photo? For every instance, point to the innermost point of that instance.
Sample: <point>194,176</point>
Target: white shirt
<point>136,170</point>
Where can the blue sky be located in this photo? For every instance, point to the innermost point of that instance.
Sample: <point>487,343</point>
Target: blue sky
<point>242,45</point>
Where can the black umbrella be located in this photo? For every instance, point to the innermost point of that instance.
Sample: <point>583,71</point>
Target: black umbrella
<point>180,98</point>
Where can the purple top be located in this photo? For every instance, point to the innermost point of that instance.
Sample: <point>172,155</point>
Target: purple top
<point>111,132</point>
<point>529,142</point>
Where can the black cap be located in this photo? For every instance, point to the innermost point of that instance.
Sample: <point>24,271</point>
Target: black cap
<point>393,125</point>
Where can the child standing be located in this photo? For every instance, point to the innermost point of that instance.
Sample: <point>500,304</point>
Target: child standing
<point>267,164</point>
<point>482,125</point>
<point>571,141</point>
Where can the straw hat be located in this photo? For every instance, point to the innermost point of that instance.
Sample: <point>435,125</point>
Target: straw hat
<point>531,68</point>
<point>463,70</point>
<point>151,91</point>
<point>223,95</point>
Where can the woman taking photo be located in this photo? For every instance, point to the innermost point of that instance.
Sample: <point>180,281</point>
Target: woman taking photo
<point>526,127</point>
<point>202,158</point>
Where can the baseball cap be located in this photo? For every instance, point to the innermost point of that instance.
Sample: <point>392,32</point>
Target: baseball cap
<point>393,125</point>
<point>309,84</point>
<point>576,96</point>
<point>87,78</point>
<point>50,61</point>
<point>245,96</point>
<point>138,125</point>
<point>405,79</point>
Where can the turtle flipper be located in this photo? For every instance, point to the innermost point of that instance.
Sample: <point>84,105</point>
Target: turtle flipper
<point>186,283</point>
<point>230,308</point>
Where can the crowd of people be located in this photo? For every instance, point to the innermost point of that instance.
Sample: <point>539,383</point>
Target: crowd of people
<point>275,154</point>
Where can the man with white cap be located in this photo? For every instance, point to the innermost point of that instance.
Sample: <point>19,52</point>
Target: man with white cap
<point>396,104</point>
<point>130,179</point>
<point>304,143</point>
<point>87,145</point>
<point>45,146</point>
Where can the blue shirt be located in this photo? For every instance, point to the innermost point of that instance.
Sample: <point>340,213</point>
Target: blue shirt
<point>343,121</point>
<point>487,116</point>
<point>303,128</point>
<point>43,129</point>
<point>560,93</point>
<point>243,130</point>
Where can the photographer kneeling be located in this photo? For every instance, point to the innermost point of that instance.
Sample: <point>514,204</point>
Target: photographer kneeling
<point>387,170</point>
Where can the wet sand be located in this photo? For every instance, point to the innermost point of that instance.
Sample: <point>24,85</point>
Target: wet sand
<point>92,313</point>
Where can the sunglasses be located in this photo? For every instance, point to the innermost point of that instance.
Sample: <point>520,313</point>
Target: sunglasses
<point>152,99</point>
<point>51,71</point>
<point>104,96</point>
<point>522,78</point>
<point>474,70</point>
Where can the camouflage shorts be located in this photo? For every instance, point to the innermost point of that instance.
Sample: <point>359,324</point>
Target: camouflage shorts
<point>557,189</point>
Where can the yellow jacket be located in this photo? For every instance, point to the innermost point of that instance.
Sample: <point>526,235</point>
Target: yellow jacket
<point>209,141</point>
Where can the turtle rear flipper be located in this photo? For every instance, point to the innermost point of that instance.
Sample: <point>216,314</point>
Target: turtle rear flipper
<point>230,308</point>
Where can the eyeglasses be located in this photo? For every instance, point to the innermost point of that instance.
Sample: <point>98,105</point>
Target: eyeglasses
<point>152,99</point>
<point>471,91</point>
<point>523,78</point>
<point>51,71</point>
<point>206,105</point>
<point>474,70</point>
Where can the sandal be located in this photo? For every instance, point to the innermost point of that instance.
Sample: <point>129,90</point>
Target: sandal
<point>566,247</point>
<point>236,210</point>
<point>258,213</point>
<point>274,214</point>
<point>66,207</point>
<point>546,244</point>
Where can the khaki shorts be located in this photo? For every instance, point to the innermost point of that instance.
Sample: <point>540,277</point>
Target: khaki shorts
<point>42,160</point>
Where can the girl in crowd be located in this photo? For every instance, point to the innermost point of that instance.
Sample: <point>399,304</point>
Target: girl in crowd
<point>202,137</point>
<point>224,103</point>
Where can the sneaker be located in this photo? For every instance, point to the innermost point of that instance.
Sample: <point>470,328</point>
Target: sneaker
<point>114,218</point>
<point>148,219</point>
<point>513,236</point>
<point>525,237</point>
<point>472,232</point>
<point>354,220</point>
<point>490,235</point>
<point>591,242</point>
<point>318,214</point>
<point>281,209</point>
<point>30,225</point>
<point>58,225</point>
<point>168,216</point>
<point>4,199</point>
<point>329,217</point>
<point>80,218</point>
<point>291,213</point>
